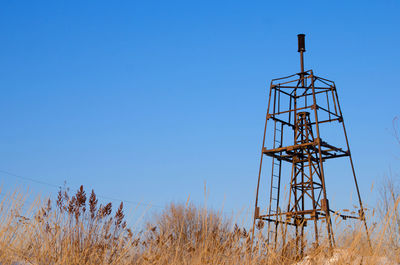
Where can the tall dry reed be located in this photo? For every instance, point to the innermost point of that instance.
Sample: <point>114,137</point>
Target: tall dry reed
<point>77,230</point>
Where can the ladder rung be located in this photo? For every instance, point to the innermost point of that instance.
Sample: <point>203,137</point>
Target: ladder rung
<point>277,176</point>
<point>277,164</point>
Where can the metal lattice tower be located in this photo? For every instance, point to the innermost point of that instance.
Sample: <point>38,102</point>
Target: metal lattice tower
<point>299,106</point>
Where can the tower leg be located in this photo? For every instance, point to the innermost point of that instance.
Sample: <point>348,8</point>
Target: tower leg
<point>362,214</point>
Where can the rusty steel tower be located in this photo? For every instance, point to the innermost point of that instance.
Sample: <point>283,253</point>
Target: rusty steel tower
<point>300,106</point>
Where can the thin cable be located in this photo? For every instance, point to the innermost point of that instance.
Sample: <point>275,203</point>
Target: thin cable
<point>98,195</point>
<point>29,179</point>
<point>136,203</point>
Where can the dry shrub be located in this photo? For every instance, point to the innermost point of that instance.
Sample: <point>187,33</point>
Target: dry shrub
<point>77,230</point>
<point>184,234</point>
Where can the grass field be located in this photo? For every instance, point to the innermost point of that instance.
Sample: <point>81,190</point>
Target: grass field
<point>77,230</point>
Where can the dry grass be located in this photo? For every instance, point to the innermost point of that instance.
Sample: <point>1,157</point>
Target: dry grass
<point>76,230</point>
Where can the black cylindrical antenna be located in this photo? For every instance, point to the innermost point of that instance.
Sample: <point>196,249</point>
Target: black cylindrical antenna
<point>302,45</point>
<point>301,49</point>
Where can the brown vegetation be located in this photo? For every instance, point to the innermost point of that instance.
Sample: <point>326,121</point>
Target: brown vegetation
<point>77,230</point>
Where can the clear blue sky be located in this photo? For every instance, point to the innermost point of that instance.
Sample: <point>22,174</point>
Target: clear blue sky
<point>147,101</point>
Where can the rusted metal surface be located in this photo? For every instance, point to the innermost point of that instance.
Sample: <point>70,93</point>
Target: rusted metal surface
<point>298,106</point>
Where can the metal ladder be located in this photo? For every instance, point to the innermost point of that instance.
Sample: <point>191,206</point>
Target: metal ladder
<point>275,184</point>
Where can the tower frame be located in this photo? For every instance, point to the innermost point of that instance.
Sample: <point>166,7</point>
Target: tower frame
<point>311,102</point>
